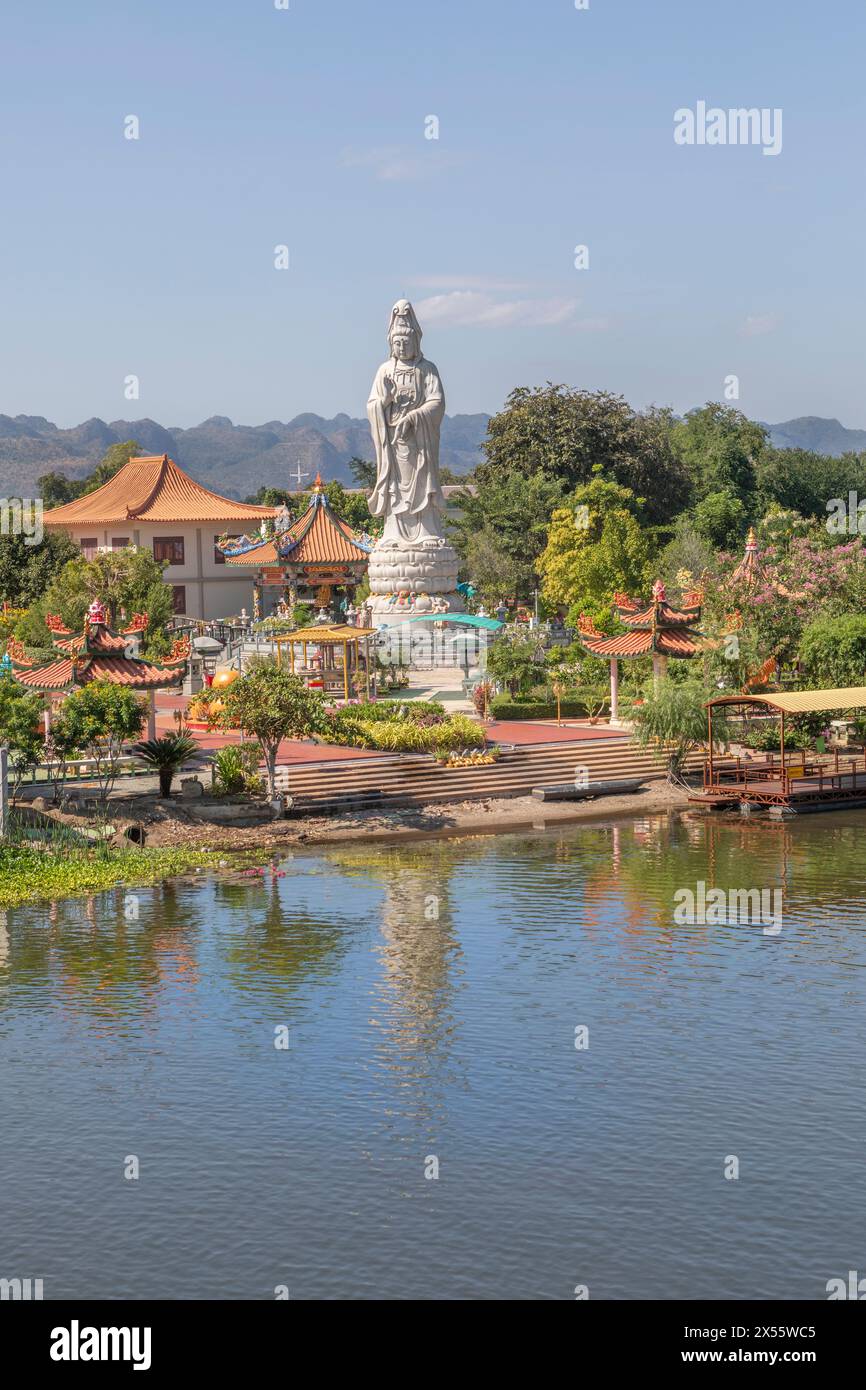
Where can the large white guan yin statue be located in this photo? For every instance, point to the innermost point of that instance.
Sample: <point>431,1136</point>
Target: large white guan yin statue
<point>413,569</point>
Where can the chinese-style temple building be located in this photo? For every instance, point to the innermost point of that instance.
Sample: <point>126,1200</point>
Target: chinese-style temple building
<point>152,502</point>
<point>99,653</point>
<point>656,629</point>
<point>316,559</point>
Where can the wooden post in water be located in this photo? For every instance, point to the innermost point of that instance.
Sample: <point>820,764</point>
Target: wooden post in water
<point>710,739</point>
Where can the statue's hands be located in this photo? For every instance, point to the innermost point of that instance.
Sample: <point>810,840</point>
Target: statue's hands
<point>406,425</point>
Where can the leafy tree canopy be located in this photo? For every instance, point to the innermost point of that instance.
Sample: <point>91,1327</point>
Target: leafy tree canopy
<point>833,651</point>
<point>568,436</point>
<point>128,581</point>
<point>27,570</point>
<point>720,447</point>
<point>270,704</point>
<point>595,548</point>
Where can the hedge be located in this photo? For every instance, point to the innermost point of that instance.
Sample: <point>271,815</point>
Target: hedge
<point>504,708</point>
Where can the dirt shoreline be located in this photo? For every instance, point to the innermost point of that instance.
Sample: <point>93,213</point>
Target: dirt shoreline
<point>493,815</point>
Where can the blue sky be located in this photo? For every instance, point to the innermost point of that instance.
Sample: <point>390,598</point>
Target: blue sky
<point>306,127</point>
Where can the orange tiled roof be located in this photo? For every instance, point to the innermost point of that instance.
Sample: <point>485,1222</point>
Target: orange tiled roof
<point>99,641</point>
<point>60,675</point>
<point>319,537</point>
<point>639,643</point>
<point>656,627</point>
<point>152,488</point>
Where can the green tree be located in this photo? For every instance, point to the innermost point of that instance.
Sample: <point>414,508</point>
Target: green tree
<point>833,651</point>
<point>720,447</point>
<point>803,481</point>
<point>672,723</point>
<point>569,436</point>
<point>720,518</point>
<point>27,570</point>
<point>364,473</point>
<point>98,720</point>
<point>516,660</point>
<point>502,529</point>
<point>20,730</point>
<point>128,581</point>
<point>270,704</point>
<point>595,548</point>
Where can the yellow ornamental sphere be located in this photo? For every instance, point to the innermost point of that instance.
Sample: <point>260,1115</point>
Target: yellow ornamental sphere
<point>224,678</point>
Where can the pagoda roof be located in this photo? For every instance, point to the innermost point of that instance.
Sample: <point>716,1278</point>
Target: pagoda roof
<point>69,674</point>
<point>319,537</point>
<point>152,488</point>
<point>97,653</point>
<point>656,627</point>
<point>750,571</point>
<point>682,644</point>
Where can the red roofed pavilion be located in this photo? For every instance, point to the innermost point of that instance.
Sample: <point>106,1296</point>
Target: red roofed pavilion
<point>655,628</point>
<point>98,653</point>
<point>309,558</point>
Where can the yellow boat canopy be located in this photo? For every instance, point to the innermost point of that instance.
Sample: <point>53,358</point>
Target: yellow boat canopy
<point>799,701</point>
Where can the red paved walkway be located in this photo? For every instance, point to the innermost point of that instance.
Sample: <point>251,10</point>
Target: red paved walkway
<point>520,732</point>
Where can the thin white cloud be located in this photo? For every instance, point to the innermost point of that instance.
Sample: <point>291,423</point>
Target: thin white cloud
<point>398,163</point>
<point>470,282</point>
<point>479,308</point>
<point>756,324</point>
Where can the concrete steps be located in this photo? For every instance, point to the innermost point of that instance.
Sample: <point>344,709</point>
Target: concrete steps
<point>419,780</point>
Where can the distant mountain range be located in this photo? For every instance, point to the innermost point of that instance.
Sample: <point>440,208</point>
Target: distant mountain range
<point>237,460</point>
<point>821,436</point>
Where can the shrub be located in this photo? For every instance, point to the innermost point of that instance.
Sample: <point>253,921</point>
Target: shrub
<point>405,735</point>
<point>236,769</point>
<point>380,711</point>
<point>167,755</point>
<point>672,723</point>
<point>582,708</point>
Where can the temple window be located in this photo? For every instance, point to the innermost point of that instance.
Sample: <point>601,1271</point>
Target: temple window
<point>168,549</point>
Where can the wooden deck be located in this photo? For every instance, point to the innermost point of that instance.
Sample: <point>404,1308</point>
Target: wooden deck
<point>799,782</point>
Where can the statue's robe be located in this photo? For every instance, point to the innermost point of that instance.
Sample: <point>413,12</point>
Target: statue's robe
<point>407,472</point>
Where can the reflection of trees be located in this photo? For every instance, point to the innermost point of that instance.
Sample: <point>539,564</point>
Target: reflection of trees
<point>91,956</point>
<point>272,945</point>
<point>419,952</point>
<point>657,856</point>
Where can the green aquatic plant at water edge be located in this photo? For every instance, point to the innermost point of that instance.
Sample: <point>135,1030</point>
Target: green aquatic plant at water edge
<point>29,874</point>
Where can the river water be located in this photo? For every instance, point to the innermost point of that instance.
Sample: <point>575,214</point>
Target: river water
<point>286,1062</point>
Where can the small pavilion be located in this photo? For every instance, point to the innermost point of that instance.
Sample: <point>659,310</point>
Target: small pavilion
<point>655,628</point>
<point>329,657</point>
<point>309,560</point>
<point>98,653</point>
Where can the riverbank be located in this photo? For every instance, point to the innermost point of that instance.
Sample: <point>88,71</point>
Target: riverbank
<point>176,847</point>
<point>493,815</point>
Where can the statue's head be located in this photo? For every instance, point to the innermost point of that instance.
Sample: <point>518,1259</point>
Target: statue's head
<point>404,332</point>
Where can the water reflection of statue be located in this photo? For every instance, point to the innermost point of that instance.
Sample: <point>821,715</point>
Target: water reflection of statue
<point>405,409</point>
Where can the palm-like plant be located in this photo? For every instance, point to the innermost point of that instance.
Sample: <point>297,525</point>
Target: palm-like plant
<point>167,754</point>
